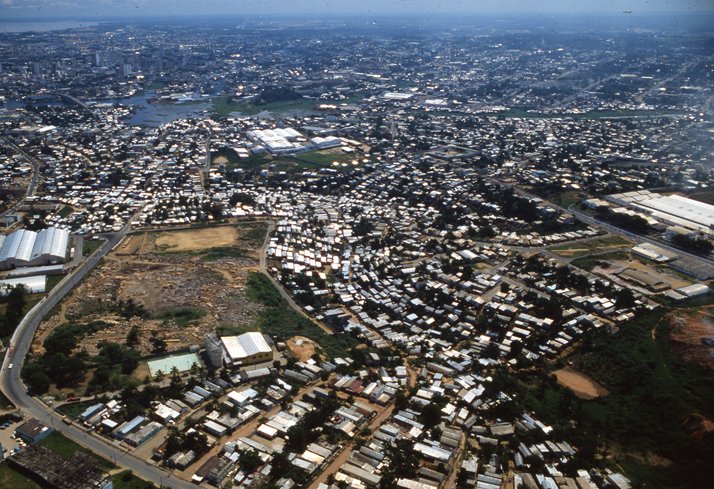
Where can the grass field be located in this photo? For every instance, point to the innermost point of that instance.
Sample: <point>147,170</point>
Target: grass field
<point>91,245</point>
<point>182,316</point>
<point>590,262</point>
<point>330,158</point>
<point>127,480</point>
<point>52,281</point>
<point>234,161</point>
<point>12,479</point>
<point>62,445</point>
<point>584,248</point>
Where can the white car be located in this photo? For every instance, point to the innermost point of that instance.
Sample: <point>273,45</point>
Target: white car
<point>9,366</point>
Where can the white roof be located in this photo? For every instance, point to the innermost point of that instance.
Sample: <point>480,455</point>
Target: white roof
<point>34,285</point>
<point>18,245</point>
<point>245,345</point>
<point>51,241</point>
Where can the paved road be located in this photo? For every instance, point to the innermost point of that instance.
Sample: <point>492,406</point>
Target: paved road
<point>78,241</point>
<point>34,178</point>
<point>12,386</point>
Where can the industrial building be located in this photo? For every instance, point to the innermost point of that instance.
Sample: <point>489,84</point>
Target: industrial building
<point>278,141</point>
<point>27,248</point>
<point>246,349</point>
<point>672,210</point>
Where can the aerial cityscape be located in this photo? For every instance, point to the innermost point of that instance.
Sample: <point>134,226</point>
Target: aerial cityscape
<point>356,248</point>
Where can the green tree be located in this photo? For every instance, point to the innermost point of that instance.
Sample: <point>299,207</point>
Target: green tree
<point>16,302</point>
<point>250,460</point>
<point>133,337</point>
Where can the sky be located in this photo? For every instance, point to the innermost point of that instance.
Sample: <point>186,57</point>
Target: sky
<point>99,9</point>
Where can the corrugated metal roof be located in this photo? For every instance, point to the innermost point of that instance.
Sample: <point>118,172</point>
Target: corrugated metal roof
<point>245,345</point>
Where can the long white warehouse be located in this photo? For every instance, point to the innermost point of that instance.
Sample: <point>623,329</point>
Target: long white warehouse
<point>27,248</point>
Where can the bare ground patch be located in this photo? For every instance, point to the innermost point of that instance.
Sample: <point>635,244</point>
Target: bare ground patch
<point>691,331</point>
<point>582,386</point>
<point>166,285</point>
<point>302,348</point>
<point>197,239</point>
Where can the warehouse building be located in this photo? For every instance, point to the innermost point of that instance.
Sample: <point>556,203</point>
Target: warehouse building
<point>247,349</point>
<point>672,210</point>
<point>27,248</point>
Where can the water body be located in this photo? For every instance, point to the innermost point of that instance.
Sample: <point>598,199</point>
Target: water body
<point>156,114</point>
<point>14,26</point>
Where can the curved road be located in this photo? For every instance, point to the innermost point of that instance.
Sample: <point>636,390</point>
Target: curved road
<point>12,386</point>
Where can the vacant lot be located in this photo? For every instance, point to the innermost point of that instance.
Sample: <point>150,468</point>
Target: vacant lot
<point>582,386</point>
<point>587,247</point>
<point>197,239</point>
<point>180,241</point>
<point>692,335</point>
<point>186,283</point>
<point>302,348</point>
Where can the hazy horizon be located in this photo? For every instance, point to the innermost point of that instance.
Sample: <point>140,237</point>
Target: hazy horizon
<point>137,9</point>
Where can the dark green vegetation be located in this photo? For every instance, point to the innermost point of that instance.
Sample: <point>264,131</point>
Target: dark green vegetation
<point>636,224</point>
<point>59,365</point>
<point>603,261</point>
<point>15,306</point>
<point>219,253</point>
<point>182,316</point>
<point>282,322</point>
<point>65,211</point>
<point>127,480</point>
<point>74,409</point>
<point>179,441</point>
<point>306,430</point>
<point>321,158</point>
<point>91,245</point>
<point>694,245</point>
<point>234,161</point>
<point>4,402</point>
<point>114,365</point>
<point>557,196</point>
<point>52,281</point>
<point>15,480</point>
<point>64,367</point>
<point>655,407</point>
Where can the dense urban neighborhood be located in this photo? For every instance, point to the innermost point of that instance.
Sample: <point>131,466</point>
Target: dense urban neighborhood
<point>357,254</point>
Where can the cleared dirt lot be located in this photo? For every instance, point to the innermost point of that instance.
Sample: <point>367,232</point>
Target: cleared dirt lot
<point>690,329</point>
<point>178,241</point>
<point>192,289</point>
<point>582,386</point>
<point>302,348</point>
